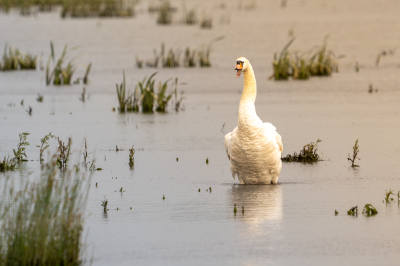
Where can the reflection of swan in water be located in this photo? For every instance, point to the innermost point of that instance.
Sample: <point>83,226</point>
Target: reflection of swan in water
<point>261,203</point>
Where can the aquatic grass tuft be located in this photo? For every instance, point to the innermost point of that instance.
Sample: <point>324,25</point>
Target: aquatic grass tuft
<point>20,154</point>
<point>355,154</point>
<point>98,8</point>
<point>14,59</point>
<point>42,219</point>
<point>164,13</point>
<point>369,210</point>
<point>234,209</point>
<point>162,98</point>
<point>206,22</point>
<point>353,211</point>
<point>189,16</point>
<point>7,165</point>
<point>318,61</point>
<point>204,54</point>
<point>44,145</point>
<point>388,199</point>
<point>309,154</point>
<point>104,204</point>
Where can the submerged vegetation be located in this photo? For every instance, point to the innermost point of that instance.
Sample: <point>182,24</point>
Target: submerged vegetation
<point>318,61</point>
<point>353,158</point>
<point>7,165</point>
<point>192,57</point>
<point>42,219</point>
<point>353,211</point>
<point>388,199</point>
<point>63,152</point>
<point>309,154</point>
<point>14,59</point>
<point>60,74</point>
<point>164,13</point>
<point>144,98</point>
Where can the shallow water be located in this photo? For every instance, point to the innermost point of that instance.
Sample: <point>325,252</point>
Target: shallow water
<point>291,223</point>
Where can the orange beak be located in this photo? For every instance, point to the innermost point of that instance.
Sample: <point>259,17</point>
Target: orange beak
<point>239,67</point>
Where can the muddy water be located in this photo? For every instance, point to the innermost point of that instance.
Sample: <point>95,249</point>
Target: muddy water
<point>291,223</point>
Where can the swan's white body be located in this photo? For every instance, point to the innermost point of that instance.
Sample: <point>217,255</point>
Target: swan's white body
<point>253,147</point>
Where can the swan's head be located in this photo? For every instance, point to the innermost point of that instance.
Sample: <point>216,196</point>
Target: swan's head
<point>241,65</point>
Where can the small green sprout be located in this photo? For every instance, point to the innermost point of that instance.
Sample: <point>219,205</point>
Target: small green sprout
<point>388,199</point>
<point>353,211</point>
<point>163,197</point>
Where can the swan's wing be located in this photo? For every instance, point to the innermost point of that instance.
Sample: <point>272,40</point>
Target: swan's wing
<point>228,141</point>
<point>269,127</point>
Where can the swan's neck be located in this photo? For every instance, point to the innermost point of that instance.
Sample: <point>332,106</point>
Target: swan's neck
<point>250,86</point>
<point>247,112</point>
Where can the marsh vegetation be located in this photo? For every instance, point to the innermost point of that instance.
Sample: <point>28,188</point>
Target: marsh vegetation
<point>309,154</point>
<point>353,158</point>
<point>317,61</point>
<point>14,59</point>
<point>42,219</point>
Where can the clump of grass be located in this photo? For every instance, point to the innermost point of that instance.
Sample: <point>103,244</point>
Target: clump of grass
<point>388,199</point>
<point>121,94</point>
<point>234,209</point>
<point>44,145</point>
<point>309,154</point>
<point>318,61</point>
<point>369,210</point>
<point>20,154</point>
<point>204,54</point>
<point>355,154</point>
<point>336,212</point>
<point>39,98</point>
<point>98,8</point>
<point>60,74</point>
<point>131,158</point>
<point>189,58</point>
<point>147,97</point>
<point>7,165</point>
<point>162,98</point>
<point>42,222</point>
<point>13,59</point>
<point>164,13</point>
<point>353,211</point>
<point>63,152</point>
<point>189,16</point>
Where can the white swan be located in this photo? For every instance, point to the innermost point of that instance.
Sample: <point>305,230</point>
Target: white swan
<point>253,147</point>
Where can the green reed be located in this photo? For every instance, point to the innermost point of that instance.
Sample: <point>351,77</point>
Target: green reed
<point>42,219</point>
<point>353,158</point>
<point>20,154</point>
<point>14,59</point>
<point>189,16</point>
<point>309,154</point>
<point>204,54</point>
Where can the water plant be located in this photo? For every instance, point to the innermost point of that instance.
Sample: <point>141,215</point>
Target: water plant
<point>85,153</point>
<point>164,13</point>
<point>189,16</point>
<point>13,59</point>
<point>384,53</point>
<point>162,98</point>
<point>388,199</point>
<point>207,160</point>
<point>309,154</point>
<point>317,61</point>
<point>210,189</point>
<point>29,111</point>
<point>44,145</point>
<point>63,152</point>
<point>104,204</point>
<point>336,212</point>
<point>98,8</point>
<point>242,209</point>
<point>20,154</point>
<point>369,210</point>
<point>371,88</point>
<point>83,95</point>
<point>204,54</point>
<point>206,22</point>
<point>42,219</point>
<point>189,59</point>
<point>199,189</point>
<point>234,209</point>
<point>353,211</point>
<point>60,74</point>
<point>7,165</point>
<point>121,94</point>
<point>163,197</point>
<point>355,154</point>
<point>131,154</point>
<point>39,98</point>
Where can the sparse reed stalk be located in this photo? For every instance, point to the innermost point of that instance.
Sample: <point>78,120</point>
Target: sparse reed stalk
<point>63,153</point>
<point>189,17</point>
<point>131,158</point>
<point>98,8</point>
<point>44,145</point>
<point>355,154</point>
<point>388,199</point>
<point>42,219</point>
<point>204,54</point>
<point>121,94</point>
